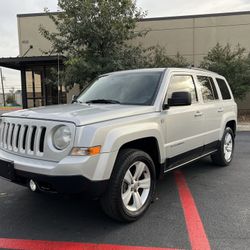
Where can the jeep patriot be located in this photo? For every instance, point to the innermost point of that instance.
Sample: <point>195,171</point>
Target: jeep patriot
<point>121,134</point>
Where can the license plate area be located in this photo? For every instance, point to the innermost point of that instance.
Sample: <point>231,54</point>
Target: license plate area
<point>7,170</point>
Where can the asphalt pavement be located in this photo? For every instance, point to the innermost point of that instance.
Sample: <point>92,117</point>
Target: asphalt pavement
<point>221,196</point>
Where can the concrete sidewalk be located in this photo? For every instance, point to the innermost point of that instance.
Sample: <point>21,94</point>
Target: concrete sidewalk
<point>243,127</point>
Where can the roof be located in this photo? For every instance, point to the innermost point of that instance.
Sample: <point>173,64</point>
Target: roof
<point>19,62</point>
<point>219,14</point>
<point>158,18</point>
<point>143,70</point>
<point>172,69</point>
<point>193,70</point>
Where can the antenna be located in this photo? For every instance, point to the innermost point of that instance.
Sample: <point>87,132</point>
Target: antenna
<point>30,48</point>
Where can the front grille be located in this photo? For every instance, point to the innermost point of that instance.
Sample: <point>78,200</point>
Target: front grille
<point>23,138</point>
<point>32,138</point>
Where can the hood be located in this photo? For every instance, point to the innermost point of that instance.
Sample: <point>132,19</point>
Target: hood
<point>81,114</point>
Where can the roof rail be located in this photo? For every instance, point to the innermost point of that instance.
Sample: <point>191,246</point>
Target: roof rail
<point>201,69</point>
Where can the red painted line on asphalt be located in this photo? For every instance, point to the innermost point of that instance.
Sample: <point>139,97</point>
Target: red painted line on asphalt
<point>53,245</point>
<point>197,235</point>
<point>196,232</point>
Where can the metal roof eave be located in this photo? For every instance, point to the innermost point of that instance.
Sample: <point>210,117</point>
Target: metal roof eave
<point>19,62</point>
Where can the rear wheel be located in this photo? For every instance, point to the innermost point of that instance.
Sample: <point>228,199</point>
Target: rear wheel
<point>224,155</point>
<point>131,187</point>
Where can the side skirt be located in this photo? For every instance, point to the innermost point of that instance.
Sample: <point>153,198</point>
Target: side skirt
<point>190,156</point>
<point>185,163</point>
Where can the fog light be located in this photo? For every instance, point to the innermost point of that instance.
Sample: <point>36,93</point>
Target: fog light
<point>32,185</point>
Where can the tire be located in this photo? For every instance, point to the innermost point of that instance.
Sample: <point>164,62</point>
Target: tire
<point>130,193</point>
<point>224,155</point>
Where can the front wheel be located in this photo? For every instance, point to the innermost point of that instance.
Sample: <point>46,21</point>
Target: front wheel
<point>132,186</point>
<point>224,155</point>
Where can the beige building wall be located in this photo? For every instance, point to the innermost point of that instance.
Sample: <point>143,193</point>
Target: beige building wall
<point>29,34</point>
<point>194,36</point>
<point>191,36</point>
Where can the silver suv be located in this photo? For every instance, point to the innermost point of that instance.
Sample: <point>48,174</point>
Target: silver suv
<point>121,134</point>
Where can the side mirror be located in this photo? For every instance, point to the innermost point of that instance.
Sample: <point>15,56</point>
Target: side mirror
<point>180,99</point>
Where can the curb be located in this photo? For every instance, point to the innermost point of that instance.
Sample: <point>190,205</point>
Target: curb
<point>243,127</point>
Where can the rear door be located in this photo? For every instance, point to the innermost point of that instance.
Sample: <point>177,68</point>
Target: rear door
<point>212,109</point>
<point>226,95</point>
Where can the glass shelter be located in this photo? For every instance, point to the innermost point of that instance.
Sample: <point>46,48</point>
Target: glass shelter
<point>40,81</point>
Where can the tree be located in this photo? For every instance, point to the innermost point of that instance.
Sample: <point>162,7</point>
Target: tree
<point>234,64</point>
<point>95,36</point>
<point>158,58</point>
<point>11,97</point>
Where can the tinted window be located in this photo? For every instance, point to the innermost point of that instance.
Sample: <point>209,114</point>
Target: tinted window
<point>125,88</point>
<point>208,89</point>
<point>223,89</point>
<point>216,97</point>
<point>182,83</point>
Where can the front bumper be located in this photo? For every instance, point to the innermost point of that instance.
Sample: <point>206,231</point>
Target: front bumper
<point>61,184</point>
<point>88,174</point>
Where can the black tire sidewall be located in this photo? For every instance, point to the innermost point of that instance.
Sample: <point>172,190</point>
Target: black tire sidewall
<point>135,156</point>
<point>227,131</point>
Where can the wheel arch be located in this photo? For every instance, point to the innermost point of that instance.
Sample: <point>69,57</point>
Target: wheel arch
<point>229,120</point>
<point>134,136</point>
<point>232,124</point>
<point>150,146</point>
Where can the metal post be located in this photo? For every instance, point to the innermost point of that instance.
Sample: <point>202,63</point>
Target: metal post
<point>1,74</point>
<point>58,78</point>
<point>24,88</point>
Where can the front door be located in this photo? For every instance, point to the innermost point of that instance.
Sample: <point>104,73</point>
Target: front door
<point>183,124</point>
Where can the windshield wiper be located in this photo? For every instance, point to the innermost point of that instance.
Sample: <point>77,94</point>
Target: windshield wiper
<point>76,101</point>
<point>105,101</point>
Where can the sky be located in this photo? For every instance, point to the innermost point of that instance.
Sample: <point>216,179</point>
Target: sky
<point>155,8</point>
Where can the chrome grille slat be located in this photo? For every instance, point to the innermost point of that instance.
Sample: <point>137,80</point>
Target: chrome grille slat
<point>32,139</point>
<point>10,136</point>
<point>28,140</point>
<point>20,141</point>
<point>24,141</point>
<point>37,141</point>
<point>2,133</point>
<point>42,139</point>
<point>5,135</point>
<point>18,137</point>
<point>14,139</point>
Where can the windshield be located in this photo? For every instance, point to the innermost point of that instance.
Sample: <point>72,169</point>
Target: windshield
<point>123,88</point>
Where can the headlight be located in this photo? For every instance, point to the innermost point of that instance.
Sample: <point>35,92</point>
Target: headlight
<point>62,137</point>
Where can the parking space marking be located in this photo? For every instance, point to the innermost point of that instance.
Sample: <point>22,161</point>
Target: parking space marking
<point>197,235</point>
<point>195,228</point>
<point>53,245</point>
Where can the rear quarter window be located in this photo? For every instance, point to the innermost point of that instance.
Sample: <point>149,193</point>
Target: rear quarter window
<point>224,89</point>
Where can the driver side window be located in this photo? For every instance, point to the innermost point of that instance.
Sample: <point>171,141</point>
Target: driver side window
<point>179,83</point>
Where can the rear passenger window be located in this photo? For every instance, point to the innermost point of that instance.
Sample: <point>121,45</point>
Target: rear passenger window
<point>223,89</point>
<point>208,89</point>
<point>179,83</point>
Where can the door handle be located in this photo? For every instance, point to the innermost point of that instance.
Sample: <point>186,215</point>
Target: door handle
<point>220,110</point>
<point>198,114</point>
